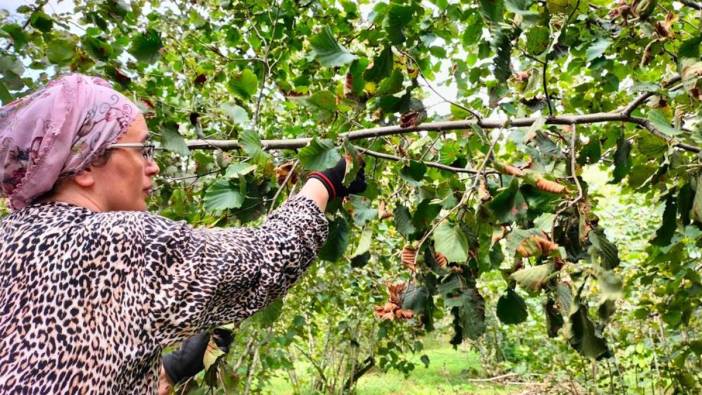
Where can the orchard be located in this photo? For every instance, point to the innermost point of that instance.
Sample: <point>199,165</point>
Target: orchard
<point>535,183</point>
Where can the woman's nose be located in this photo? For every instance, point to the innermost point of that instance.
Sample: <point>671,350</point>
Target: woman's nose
<point>152,168</point>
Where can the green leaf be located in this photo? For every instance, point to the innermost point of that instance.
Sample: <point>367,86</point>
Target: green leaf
<point>509,205</point>
<point>414,173</point>
<point>172,141</point>
<point>425,214</point>
<point>584,338</point>
<point>473,30</point>
<point>251,144</point>
<point>416,299</point>
<point>239,169</point>
<point>533,278</point>
<point>364,242</point>
<point>19,36</point>
<point>451,241</point>
<point>651,145</point>
<point>5,95</point>
<point>517,236</point>
<point>396,18</point>
<point>606,309</point>
<point>605,249</point>
<point>236,113</point>
<point>362,210</point>
<point>537,39</point>
<point>146,46</point>
<point>686,198</point>
<point>97,47</point>
<point>597,49</point>
<point>319,154</point>
<point>425,360</point>
<point>323,103</point>
<point>690,48</point>
<point>656,117</point>
<point>382,66</point>
<point>622,162</point>
<point>354,165</point>
<point>391,84</point>
<point>591,152</point>
<point>502,45</point>
<point>565,298</point>
<point>222,195</point>
<point>511,308</point>
<point>60,51</point>
<point>244,84</point>
<point>356,71</point>
<point>41,21</point>
<point>492,10</point>
<point>554,319</point>
<point>665,233</point>
<point>403,221</point>
<point>469,313</point>
<point>338,240</point>
<point>328,51</point>
<point>270,314</point>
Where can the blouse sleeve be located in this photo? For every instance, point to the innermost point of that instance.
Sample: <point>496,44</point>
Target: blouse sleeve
<point>195,278</point>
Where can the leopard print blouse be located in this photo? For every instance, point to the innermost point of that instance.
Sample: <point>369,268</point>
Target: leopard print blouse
<point>88,300</point>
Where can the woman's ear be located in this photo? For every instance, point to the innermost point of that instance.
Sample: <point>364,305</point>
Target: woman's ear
<point>85,178</point>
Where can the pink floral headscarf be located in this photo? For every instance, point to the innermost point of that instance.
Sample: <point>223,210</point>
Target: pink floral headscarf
<point>58,131</point>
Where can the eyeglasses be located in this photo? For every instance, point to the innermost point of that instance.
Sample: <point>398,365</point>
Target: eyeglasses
<point>147,150</point>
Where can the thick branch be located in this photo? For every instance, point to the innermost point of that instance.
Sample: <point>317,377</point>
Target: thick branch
<point>691,4</point>
<point>453,125</point>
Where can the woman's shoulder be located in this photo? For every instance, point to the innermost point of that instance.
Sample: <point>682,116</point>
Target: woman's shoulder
<point>135,221</point>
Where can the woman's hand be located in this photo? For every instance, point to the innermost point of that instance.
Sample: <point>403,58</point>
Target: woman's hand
<point>180,365</point>
<point>332,179</point>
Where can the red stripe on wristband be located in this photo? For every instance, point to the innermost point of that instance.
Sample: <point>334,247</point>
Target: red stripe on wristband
<point>327,181</point>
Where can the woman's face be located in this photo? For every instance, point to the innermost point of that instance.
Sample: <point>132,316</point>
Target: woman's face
<point>125,181</point>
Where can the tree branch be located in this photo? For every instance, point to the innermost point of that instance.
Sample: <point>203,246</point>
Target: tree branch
<point>643,97</point>
<point>600,117</point>
<point>544,78</point>
<point>436,165</point>
<point>691,4</point>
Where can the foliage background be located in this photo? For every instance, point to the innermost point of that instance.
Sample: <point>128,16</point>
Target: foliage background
<point>544,100</point>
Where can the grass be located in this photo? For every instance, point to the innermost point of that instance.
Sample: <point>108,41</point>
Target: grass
<point>448,373</point>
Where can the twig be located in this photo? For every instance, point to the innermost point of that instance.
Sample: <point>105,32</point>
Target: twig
<point>530,56</point>
<point>319,370</point>
<point>36,9</point>
<point>464,198</point>
<point>491,379</point>
<point>427,163</point>
<point>267,68</point>
<point>573,166</point>
<point>643,97</point>
<point>287,178</point>
<point>426,81</point>
<point>544,78</point>
<point>573,173</point>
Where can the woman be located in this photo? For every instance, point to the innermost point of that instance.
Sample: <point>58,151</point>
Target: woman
<point>93,287</point>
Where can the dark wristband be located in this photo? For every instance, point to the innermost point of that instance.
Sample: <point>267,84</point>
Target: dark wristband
<point>328,184</point>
